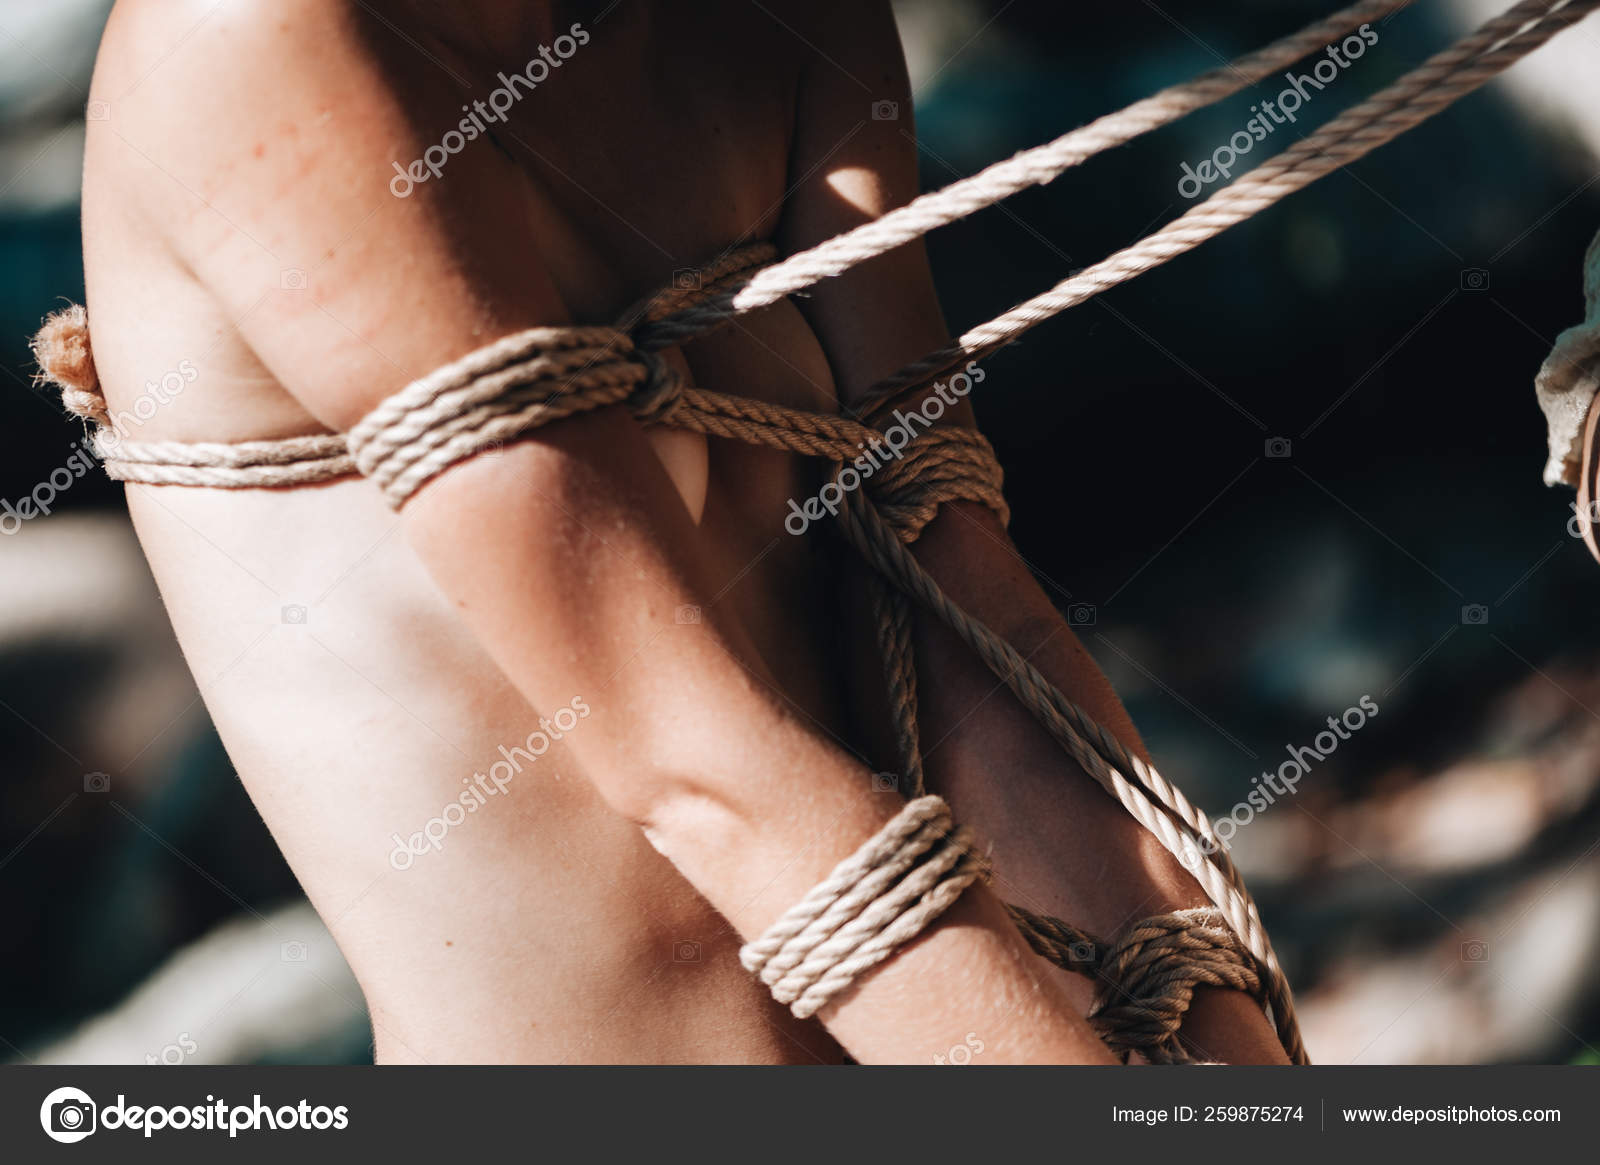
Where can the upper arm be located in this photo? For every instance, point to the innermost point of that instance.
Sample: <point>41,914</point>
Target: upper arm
<point>262,150</point>
<point>851,164</point>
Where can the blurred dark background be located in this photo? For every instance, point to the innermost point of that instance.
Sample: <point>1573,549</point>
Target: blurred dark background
<point>1434,885</point>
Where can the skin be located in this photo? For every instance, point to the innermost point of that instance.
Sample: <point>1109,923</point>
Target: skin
<point>237,215</point>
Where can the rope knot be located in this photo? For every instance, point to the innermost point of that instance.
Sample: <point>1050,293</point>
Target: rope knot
<point>1148,980</point>
<point>660,393</point>
<point>937,466</point>
<point>66,360</point>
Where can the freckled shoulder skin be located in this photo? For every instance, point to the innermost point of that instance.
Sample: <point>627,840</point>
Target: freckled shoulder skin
<point>239,216</point>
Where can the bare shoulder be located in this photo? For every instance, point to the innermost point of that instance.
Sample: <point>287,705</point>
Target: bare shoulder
<point>186,95</point>
<point>249,151</point>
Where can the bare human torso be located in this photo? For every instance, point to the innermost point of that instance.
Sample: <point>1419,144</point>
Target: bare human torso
<point>356,704</point>
<point>352,700</point>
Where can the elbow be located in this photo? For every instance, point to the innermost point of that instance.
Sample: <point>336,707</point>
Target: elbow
<point>690,794</point>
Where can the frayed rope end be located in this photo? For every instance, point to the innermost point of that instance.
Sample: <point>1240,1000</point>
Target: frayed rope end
<point>61,349</point>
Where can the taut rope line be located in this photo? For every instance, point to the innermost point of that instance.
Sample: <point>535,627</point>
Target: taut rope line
<point>1431,87</point>
<point>1033,167</point>
<point>920,863</point>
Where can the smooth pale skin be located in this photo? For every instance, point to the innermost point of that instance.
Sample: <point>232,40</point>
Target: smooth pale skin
<point>237,215</point>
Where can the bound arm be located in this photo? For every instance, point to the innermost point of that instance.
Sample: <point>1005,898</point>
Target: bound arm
<point>570,552</point>
<point>1084,858</point>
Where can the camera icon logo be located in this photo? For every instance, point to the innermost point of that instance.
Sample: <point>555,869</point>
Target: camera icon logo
<point>295,613</point>
<point>885,782</point>
<point>1474,279</point>
<point>885,111</point>
<point>67,1115</point>
<point>1475,950</point>
<point>685,951</point>
<point>686,614</point>
<point>1081,614</point>
<point>98,111</point>
<point>293,951</point>
<point>1278,448</point>
<point>1474,615</point>
<point>97,782</point>
<point>292,279</point>
<point>686,279</point>
<point>1081,952</point>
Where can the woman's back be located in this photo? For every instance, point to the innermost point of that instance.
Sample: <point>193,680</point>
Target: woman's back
<point>491,905</point>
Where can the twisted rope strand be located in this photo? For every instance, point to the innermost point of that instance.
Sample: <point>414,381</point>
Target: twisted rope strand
<point>871,904</point>
<point>246,464</point>
<point>1033,167</point>
<point>1442,80</point>
<point>1095,749</point>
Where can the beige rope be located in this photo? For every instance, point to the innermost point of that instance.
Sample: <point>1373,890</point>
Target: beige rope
<point>1033,167</point>
<point>496,394</point>
<point>1439,82</point>
<point>1155,803</point>
<point>872,903</point>
<point>695,285</point>
<point>243,465</point>
<point>66,359</point>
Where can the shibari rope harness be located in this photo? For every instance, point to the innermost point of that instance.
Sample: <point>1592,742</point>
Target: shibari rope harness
<point>902,879</point>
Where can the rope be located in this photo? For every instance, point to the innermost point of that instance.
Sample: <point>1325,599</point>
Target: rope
<point>874,902</point>
<point>1149,979</point>
<point>495,394</point>
<point>1034,167</point>
<point>858,916</point>
<point>1436,84</point>
<point>245,465</point>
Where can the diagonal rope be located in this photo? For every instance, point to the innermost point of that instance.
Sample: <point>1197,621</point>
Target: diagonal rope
<point>1441,80</point>
<point>1095,749</point>
<point>1033,167</point>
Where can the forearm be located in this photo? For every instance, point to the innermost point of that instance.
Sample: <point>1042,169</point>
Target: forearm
<point>1126,874</point>
<point>569,558</point>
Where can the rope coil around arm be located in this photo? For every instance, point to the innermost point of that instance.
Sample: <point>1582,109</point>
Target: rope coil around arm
<point>872,903</point>
<point>496,394</point>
